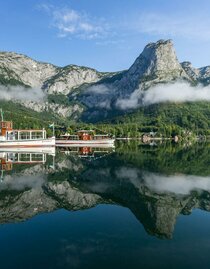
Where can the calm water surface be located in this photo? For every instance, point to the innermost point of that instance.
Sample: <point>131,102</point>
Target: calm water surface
<point>137,206</point>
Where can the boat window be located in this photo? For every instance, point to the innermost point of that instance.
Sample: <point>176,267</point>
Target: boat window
<point>25,135</point>
<point>37,135</point>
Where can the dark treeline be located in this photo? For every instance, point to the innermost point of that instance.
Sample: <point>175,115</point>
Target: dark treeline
<point>163,120</point>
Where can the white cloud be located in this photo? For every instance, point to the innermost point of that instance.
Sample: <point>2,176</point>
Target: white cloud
<point>171,92</point>
<point>110,42</point>
<point>131,174</point>
<point>176,92</point>
<point>102,93</point>
<point>98,89</point>
<point>178,184</point>
<point>72,23</point>
<point>133,101</point>
<point>21,182</point>
<point>176,25</point>
<point>104,104</point>
<point>21,93</point>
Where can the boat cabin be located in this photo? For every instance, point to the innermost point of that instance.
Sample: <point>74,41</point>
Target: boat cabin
<point>6,126</point>
<point>8,133</point>
<point>85,152</point>
<point>5,162</point>
<point>85,135</point>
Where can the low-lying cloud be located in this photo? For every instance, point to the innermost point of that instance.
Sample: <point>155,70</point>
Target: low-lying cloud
<point>176,92</point>
<point>133,101</point>
<point>98,89</point>
<point>171,92</point>
<point>20,93</point>
<point>99,96</point>
<point>19,183</point>
<point>181,184</point>
<point>178,184</point>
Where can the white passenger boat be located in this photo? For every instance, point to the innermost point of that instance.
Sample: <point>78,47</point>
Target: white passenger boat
<point>10,138</point>
<point>85,138</point>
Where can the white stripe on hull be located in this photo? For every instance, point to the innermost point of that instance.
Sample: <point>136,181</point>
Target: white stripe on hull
<point>28,143</point>
<point>79,143</point>
<point>46,150</point>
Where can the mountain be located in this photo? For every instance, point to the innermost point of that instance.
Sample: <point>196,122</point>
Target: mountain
<point>17,69</point>
<point>53,79</point>
<point>156,184</point>
<point>20,69</point>
<point>76,92</point>
<point>201,75</point>
<point>157,63</point>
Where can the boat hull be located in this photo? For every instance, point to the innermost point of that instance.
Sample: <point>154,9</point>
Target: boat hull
<point>79,143</point>
<point>42,150</point>
<point>50,142</point>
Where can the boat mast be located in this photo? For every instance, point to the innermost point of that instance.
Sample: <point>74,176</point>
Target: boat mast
<point>2,176</point>
<point>2,114</point>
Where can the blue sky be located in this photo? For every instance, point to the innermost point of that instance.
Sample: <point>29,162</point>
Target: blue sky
<point>106,35</point>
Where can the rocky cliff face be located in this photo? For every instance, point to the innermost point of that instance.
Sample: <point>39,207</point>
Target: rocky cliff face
<point>199,75</point>
<point>157,63</point>
<point>51,78</point>
<point>25,69</point>
<point>25,204</point>
<point>28,192</point>
<point>21,70</point>
<point>71,77</point>
<point>71,111</point>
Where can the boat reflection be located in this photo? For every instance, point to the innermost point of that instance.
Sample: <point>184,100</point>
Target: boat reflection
<point>31,156</point>
<point>23,156</point>
<point>88,152</point>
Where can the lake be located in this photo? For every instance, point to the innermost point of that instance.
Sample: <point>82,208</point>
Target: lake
<point>132,206</point>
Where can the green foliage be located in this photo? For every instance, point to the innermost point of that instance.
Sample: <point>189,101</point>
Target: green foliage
<point>58,99</point>
<point>170,119</point>
<point>10,81</point>
<point>167,158</point>
<point>24,118</point>
<point>9,77</point>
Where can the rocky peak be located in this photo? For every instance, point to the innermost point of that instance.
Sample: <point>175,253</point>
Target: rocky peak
<point>192,72</point>
<point>44,75</point>
<point>70,77</point>
<point>198,74</point>
<point>158,59</point>
<point>25,69</point>
<point>158,56</point>
<point>204,73</point>
<point>157,63</point>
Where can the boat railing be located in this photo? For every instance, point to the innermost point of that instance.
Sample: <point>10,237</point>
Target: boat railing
<point>28,134</point>
<point>30,158</point>
<point>99,137</point>
<point>70,137</point>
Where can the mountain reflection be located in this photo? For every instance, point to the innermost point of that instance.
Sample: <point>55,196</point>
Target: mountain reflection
<point>155,183</point>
